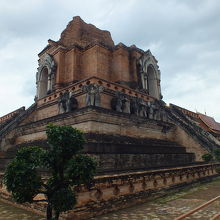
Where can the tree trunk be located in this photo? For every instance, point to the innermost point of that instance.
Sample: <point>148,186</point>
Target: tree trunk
<point>49,212</point>
<point>57,214</point>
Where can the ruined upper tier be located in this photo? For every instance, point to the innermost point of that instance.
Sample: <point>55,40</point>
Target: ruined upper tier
<point>83,34</point>
<point>85,51</point>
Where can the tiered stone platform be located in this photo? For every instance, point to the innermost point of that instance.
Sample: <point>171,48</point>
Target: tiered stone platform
<point>120,153</point>
<point>118,141</point>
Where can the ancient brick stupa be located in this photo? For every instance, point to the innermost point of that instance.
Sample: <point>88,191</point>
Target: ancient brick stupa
<point>112,93</point>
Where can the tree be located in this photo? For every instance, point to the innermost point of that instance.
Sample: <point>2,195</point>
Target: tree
<point>66,167</point>
<point>207,157</point>
<point>217,154</point>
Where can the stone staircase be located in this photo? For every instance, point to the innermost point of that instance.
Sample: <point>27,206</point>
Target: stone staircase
<point>6,122</point>
<point>14,121</point>
<point>8,126</point>
<point>204,138</point>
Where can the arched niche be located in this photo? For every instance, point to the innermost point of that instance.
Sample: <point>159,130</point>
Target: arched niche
<point>149,75</point>
<point>152,81</point>
<point>45,77</point>
<point>43,83</point>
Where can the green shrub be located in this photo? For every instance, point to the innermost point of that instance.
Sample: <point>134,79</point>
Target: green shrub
<point>217,170</point>
<point>207,157</point>
<point>217,154</point>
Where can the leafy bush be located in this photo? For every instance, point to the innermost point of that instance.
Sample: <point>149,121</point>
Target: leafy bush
<point>217,154</point>
<point>207,157</point>
<point>217,170</point>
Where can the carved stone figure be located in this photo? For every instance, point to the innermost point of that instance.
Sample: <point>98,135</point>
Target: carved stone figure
<point>157,111</point>
<point>156,114</point>
<point>118,102</point>
<point>67,102</point>
<point>134,106</point>
<point>151,111</point>
<point>72,103</point>
<point>93,94</point>
<point>142,108</point>
<point>127,107</point>
<point>114,103</point>
<point>138,106</point>
<point>62,103</point>
<point>121,103</point>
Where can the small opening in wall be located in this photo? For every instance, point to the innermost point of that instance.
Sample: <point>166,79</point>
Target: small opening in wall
<point>123,90</point>
<point>45,100</point>
<point>116,88</point>
<point>131,187</point>
<point>73,88</point>
<point>136,94</point>
<point>55,96</point>
<point>130,92</point>
<point>61,93</point>
<point>142,96</point>
<point>50,98</point>
<point>116,190</point>
<point>100,82</point>
<point>80,85</point>
<point>165,181</point>
<point>108,85</point>
<point>98,194</point>
<point>88,82</point>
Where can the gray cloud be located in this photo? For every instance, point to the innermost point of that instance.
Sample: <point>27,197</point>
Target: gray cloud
<point>183,36</point>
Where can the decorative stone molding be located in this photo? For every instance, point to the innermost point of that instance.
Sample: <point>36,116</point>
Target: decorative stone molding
<point>127,189</point>
<point>110,87</point>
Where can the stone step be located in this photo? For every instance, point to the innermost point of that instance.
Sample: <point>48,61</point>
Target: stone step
<point>122,162</point>
<point>104,138</point>
<point>109,148</point>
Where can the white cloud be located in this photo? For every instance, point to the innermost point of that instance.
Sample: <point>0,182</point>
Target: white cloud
<point>183,36</point>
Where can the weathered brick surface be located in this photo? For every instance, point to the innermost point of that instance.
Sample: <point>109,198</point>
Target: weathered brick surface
<point>84,50</point>
<point>78,32</point>
<point>111,154</point>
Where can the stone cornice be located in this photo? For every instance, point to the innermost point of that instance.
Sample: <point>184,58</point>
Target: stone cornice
<point>108,85</point>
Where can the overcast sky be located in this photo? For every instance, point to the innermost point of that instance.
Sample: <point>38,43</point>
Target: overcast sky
<point>183,35</point>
